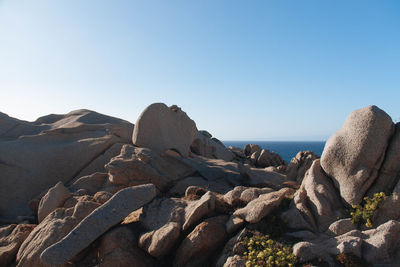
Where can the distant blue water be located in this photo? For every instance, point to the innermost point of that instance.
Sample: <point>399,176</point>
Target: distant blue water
<point>286,149</point>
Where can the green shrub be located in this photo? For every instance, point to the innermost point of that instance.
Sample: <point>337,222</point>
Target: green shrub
<point>363,213</point>
<point>263,251</point>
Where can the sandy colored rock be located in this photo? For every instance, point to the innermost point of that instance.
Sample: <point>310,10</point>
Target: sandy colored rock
<point>36,155</point>
<point>53,228</point>
<point>353,156</point>
<point>260,207</point>
<point>161,128</point>
<point>180,187</point>
<point>11,238</point>
<point>53,199</point>
<point>202,242</point>
<point>135,166</point>
<point>227,256</point>
<point>98,222</point>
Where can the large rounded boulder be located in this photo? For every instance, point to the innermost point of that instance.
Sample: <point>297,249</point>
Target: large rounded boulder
<point>353,156</point>
<point>161,128</point>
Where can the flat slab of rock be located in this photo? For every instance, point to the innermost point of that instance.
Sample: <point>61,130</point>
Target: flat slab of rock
<point>162,128</point>
<point>98,222</point>
<point>353,156</point>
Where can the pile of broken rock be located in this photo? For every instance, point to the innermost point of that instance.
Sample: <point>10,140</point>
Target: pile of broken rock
<point>85,189</point>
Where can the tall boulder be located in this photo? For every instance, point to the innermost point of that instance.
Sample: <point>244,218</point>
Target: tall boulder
<point>34,156</point>
<point>162,128</point>
<point>353,156</point>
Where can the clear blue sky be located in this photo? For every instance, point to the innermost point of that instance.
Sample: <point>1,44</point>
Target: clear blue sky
<point>258,70</point>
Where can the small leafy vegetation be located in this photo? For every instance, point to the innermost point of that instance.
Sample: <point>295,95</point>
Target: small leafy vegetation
<point>363,213</point>
<point>263,251</point>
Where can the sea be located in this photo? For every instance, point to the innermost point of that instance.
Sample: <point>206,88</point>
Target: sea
<point>286,149</point>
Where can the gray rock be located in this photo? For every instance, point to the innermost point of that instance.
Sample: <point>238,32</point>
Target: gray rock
<point>322,198</point>
<point>91,183</point>
<point>36,155</point>
<point>53,199</point>
<point>161,128</point>
<point>98,222</point>
<point>250,149</point>
<point>166,218</point>
<point>353,156</point>
<point>135,166</point>
<point>264,178</point>
<point>260,207</point>
<point>389,173</point>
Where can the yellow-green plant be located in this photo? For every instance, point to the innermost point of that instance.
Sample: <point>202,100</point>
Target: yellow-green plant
<point>363,213</point>
<point>263,251</point>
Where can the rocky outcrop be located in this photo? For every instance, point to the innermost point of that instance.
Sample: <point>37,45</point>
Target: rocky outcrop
<point>353,155</point>
<point>11,238</point>
<point>206,146</point>
<point>52,229</point>
<point>36,155</point>
<point>97,223</point>
<point>161,128</point>
<point>152,206</point>
<point>135,166</point>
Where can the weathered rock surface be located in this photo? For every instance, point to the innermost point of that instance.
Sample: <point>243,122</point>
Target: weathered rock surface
<point>166,218</point>
<point>389,173</point>
<point>53,199</point>
<point>36,155</point>
<point>53,228</point>
<point>135,166</point>
<point>161,128</point>
<point>98,222</point>
<point>341,227</point>
<point>264,178</point>
<point>353,155</point>
<point>91,183</point>
<point>202,242</point>
<point>376,246</point>
<point>11,238</point>
<point>322,198</point>
<point>260,207</point>
<point>204,145</point>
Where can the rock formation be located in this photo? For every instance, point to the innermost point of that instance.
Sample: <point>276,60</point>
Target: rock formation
<point>176,196</point>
